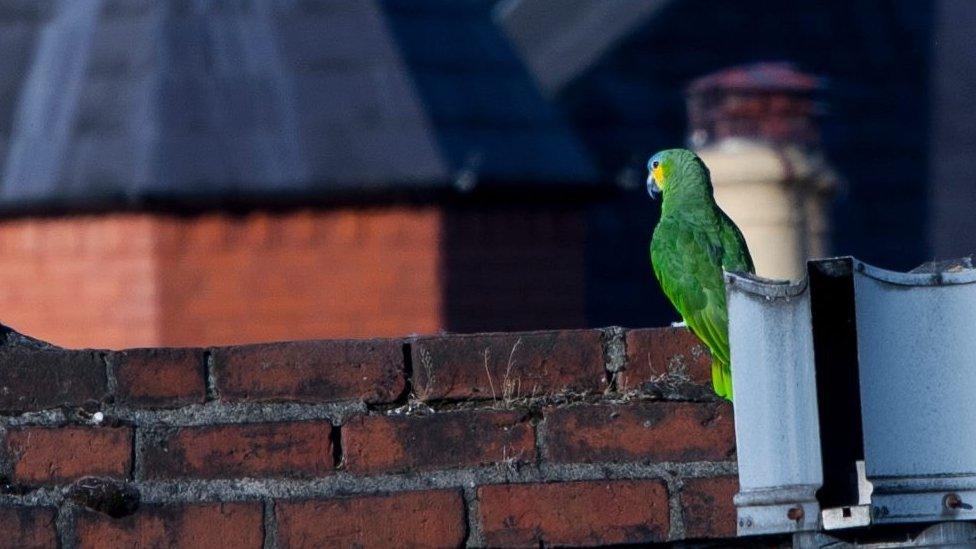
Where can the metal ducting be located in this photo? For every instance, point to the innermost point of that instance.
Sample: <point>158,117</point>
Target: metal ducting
<point>854,400</point>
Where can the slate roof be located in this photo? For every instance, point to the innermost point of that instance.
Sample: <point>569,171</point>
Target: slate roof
<point>113,102</point>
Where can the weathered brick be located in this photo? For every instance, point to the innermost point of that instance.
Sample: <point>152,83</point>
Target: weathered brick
<point>409,519</point>
<point>27,528</point>
<point>38,379</point>
<point>50,455</point>
<point>574,513</point>
<point>666,361</point>
<point>640,431</point>
<point>436,441</point>
<point>159,378</point>
<point>321,272</point>
<point>706,505</point>
<point>115,498</point>
<point>311,371</point>
<point>286,449</point>
<point>509,365</point>
<point>231,525</point>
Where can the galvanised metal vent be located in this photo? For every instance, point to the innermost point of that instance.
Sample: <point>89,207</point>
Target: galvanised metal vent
<point>916,344</point>
<point>777,427</point>
<point>855,399</point>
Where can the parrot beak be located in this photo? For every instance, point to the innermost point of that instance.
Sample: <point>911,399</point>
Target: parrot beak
<point>652,188</point>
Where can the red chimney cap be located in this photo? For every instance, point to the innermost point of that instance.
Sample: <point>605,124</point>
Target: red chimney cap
<point>757,77</point>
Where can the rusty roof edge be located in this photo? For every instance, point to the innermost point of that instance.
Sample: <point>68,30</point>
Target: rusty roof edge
<point>765,287</point>
<point>951,272</point>
<point>775,495</point>
<point>923,483</point>
<point>952,276</point>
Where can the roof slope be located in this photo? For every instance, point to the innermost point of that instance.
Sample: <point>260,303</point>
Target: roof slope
<point>107,102</point>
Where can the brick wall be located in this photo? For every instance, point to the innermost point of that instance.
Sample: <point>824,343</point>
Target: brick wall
<point>119,280</point>
<point>576,437</point>
<point>347,272</point>
<point>81,281</point>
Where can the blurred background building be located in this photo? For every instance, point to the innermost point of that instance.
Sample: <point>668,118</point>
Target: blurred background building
<point>206,172</point>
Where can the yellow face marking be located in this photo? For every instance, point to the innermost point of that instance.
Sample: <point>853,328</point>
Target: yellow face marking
<point>658,174</point>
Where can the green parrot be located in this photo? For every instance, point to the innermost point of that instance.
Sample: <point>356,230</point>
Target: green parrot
<point>692,243</point>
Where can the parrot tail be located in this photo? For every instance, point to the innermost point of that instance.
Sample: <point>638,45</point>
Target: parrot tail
<point>722,379</point>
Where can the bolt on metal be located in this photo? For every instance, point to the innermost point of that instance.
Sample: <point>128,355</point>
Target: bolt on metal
<point>954,502</point>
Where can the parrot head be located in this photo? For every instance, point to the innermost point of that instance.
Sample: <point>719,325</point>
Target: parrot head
<point>677,169</point>
<point>655,174</point>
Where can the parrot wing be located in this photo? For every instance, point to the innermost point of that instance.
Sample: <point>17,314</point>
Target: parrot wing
<point>735,252</point>
<point>688,266</point>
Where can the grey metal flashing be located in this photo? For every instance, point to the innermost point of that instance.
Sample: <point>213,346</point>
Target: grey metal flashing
<point>777,429</point>
<point>944,534</point>
<point>921,499</point>
<point>765,287</point>
<point>916,343</point>
<point>911,340</point>
<point>951,276</point>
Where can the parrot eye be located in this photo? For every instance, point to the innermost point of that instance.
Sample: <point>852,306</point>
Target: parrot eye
<point>654,165</point>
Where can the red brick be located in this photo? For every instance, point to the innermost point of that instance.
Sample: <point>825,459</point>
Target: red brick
<point>508,365</point>
<point>311,371</point>
<point>38,379</point>
<point>80,280</point>
<point>49,455</point>
<point>436,441</point>
<point>287,449</point>
<point>706,506</point>
<point>667,360</point>
<point>27,528</point>
<point>641,432</point>
<point>231,525</point>
<point>408,519</point>
<point>220,278</point>
<point>574,513</point>
<point>160,378</point>
<point>333,272</point>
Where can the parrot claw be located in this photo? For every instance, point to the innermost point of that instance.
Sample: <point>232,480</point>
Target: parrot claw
<point>681,324</point>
